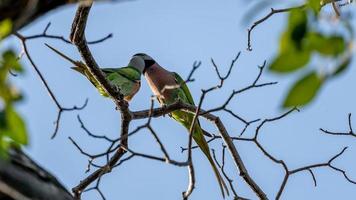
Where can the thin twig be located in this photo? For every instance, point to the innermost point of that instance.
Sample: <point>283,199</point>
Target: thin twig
<point>283,10</point>
<point>44,34</point>
<point>77,36</point>
<point>60,108</point>
<point>263,19</point>
<point>350,133</point>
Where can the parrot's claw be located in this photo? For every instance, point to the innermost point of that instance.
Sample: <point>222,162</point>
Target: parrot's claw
<point>117,88</point>
<point>164,107</point>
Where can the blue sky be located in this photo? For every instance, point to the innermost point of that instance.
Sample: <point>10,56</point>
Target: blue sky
<point>176,33</point>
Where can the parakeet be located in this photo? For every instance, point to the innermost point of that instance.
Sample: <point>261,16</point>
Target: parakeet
<point>127,79</point>
<point>168,88</point>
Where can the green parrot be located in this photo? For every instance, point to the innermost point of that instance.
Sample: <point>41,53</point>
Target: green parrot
<point>127,79</point>
<point>170,87</point>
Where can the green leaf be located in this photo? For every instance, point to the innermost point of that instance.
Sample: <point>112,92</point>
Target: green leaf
<point>303,91</point>
<point>343,66</point>
<point>2,120</point>
<point>315,5</point>
<point>5,28</point>
<point>4,147</point>
<point>15,94</point>
<point>332,45</point>
<point>10,61</point>
<point>16,126</point>
<point>297,27</point>
<point>290,61</point>
<point>292,53</point>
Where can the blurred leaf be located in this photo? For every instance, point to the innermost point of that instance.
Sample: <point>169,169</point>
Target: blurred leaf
<point>16,126</point>
<point>9,94</point>
<point>5,93</point>
<point>5,28</point>
<point>10,61</point>
<point>292,53</point>
<point>5,132</point>
<point>4,146</point>
<point>290,61</point>
<point>2,120</point>
<point>297,27</point>
<point>284,43</point>
<point>15,94</point>
<point>315,5</point>
<point>343,66</point>
<point>324,2</point>
<point>303,91</point>
<point>332,45</point>
<point>12,127</point>
<point>298,43</point>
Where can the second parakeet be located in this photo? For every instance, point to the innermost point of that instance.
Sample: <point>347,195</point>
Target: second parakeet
<point>169,87</point>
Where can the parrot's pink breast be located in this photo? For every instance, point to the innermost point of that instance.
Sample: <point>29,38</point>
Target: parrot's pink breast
<point>159,81</point>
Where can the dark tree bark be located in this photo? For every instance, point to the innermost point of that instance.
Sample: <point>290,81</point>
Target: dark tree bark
<point>22,179</point>
<point>23,12</point>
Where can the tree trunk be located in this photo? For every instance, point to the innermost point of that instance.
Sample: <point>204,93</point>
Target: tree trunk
<point>23,12</point>
<point>22,179</point>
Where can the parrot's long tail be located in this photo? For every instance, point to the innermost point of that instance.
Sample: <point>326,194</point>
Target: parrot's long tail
<point>78,66</point>
<point>200,140</point>
<point>221,181</point>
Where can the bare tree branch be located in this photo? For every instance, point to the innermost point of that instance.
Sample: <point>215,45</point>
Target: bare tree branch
<point>350,133</point>
<point>60,108</point>
<point>283,10</point>
<point>263,19</point>
<point>118,148</point>
<point>77,36</point>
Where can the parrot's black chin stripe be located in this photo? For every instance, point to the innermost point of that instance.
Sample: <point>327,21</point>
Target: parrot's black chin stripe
<point>146,67</point>
<point>149,63</point>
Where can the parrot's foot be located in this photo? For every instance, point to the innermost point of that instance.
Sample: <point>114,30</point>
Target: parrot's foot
<point>164,107</point>
<point>117,88</point>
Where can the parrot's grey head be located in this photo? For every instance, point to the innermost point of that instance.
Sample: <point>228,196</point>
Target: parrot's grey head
<point>144,61</point>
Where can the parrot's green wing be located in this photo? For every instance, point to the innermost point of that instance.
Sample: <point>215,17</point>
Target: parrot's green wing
<point>185,88</point>
<point>188,95</point>
<point>130,73</point>
<point>127,79</point>
<point>198,133</point>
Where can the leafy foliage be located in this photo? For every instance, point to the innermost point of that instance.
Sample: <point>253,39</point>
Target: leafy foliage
<point>12,127</point>
<point>303,90</point>
<point>300,41</point>
<point>5,28</point>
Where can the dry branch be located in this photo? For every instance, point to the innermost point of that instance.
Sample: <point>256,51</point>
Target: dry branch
<point>284,10</point>
<point>77,36</point>
<point>117,148</point>
<point>349,133</point>
<point>60,108</point>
